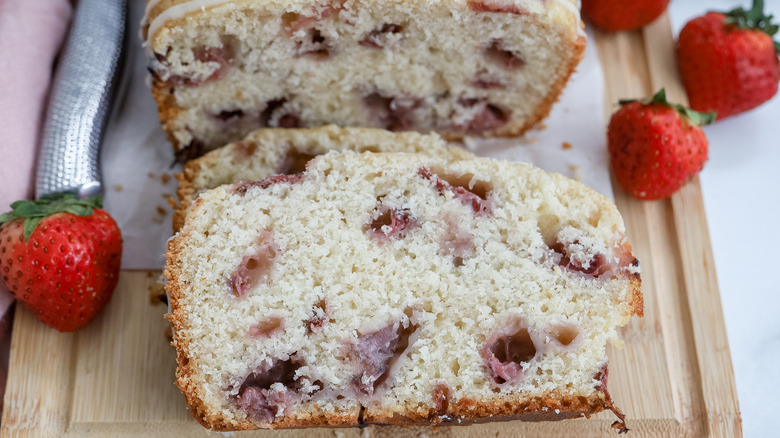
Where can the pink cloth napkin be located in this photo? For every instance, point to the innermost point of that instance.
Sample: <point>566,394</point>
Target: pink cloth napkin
<point>31,33</point>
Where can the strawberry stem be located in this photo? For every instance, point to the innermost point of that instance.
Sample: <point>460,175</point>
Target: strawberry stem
<point>754,19</point>
<point>33,212</point>
<point>695,117</point>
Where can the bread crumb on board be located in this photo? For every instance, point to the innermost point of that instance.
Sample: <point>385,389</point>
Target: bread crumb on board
<point>157,294</point>
<point>160,215</point>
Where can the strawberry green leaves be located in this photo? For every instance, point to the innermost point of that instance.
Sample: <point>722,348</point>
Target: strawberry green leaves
<point>754,18</point>
<point>695,117</point>
<point>34,211</point>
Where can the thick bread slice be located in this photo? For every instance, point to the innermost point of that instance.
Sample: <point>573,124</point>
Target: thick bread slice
<point>286,151</point>
<point>223,68</point>
<point>398,289</point>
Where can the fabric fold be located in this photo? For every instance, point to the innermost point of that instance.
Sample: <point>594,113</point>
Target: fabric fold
<point>31,33</point>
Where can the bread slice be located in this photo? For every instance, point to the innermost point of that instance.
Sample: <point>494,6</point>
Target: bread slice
<point>268,152</point>
<point>398,289</point>
<point>223,68</point>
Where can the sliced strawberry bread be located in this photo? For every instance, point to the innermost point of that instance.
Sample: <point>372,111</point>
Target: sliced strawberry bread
<point>268,152</point>
<point>223,68</point>
<point>398,289</point>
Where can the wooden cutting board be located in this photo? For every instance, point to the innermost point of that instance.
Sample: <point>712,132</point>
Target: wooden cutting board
<point>673,377</point>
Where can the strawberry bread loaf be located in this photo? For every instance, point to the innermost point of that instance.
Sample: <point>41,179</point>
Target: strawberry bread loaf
<point>222,68</point>
<point>267,152</point>
<point>398,289</point>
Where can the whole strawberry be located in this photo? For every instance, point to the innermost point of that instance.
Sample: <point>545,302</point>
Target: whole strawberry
<point>615,15</point>
<point>656,147</point>
<point>729,62</point>
<point>60,256</point>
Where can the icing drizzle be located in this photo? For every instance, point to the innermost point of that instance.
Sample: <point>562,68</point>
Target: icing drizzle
<point>180,10</point>
<point>172,13</point>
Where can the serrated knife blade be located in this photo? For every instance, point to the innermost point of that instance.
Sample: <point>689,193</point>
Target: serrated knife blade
<point>80,100</point>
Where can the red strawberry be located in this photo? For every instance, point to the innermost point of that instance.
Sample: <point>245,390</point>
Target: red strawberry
<point>656,147</point>
<point>60,256</point>
<point>614,15</point>
<point>728,61</point>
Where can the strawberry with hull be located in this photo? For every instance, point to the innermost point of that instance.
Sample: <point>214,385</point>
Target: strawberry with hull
<point>728,61</point>
<point>60,256</point>
<point>656,147</point>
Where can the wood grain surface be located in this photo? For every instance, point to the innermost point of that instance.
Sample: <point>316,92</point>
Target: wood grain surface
<point>673,377</point>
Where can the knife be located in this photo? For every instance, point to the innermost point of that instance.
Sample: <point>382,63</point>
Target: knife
<point>80,100</point>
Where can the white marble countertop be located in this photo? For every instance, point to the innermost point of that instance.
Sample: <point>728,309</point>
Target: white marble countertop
<point>740,184</point>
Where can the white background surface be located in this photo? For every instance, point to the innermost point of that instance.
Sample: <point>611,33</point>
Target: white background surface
<point>741,185</point>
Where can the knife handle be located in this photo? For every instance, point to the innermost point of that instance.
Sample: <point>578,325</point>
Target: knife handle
<point>80,100</point>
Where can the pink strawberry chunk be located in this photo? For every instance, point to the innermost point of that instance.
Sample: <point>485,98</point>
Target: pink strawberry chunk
<point>319,317</point>
<point>622,262</point>
<point>500,6</point>
<point>597,266</point>
<point>278,114</point>
<point>255,267</point>
<point>266,328</point>
<point>507,349</point>
<point>395,113</point>
<point>387,223</point>
<point>441,398</point>
<point>486,82</point>
<point>456,242</point>
<point>509,60</point>
<point>374,354</point>
<point>241,187</point>
<point>466,188</point>
<point>259,400</point>
<point>314,44</point>
<point>224,56</point>
<point>487,116</point>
